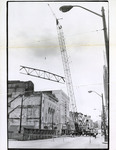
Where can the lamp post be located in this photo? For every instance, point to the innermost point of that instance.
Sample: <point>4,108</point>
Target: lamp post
<point>104,116</point>
<point>102,15</point>
<point>69,7</point>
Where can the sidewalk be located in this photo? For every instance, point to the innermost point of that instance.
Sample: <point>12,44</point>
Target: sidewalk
<point>61,142</point>
<point>97,142</point>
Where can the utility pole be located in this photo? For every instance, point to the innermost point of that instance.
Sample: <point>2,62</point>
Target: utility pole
<point>105,36</point>
<point>21,114</point>
<point>104,119</point>
<point>106,71</point>
<point>53,118</point>
<point>40,111</point>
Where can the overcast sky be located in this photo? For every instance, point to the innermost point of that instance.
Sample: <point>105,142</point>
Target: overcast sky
<point>33,42</point>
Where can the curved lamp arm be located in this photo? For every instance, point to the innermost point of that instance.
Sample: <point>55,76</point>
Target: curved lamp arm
<point>95,92</point>
<point>69,7</point>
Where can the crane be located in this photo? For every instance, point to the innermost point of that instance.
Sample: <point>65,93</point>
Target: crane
<point>66,67</point>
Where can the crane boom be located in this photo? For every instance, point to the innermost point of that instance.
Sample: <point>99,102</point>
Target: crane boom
<point>66,66</point>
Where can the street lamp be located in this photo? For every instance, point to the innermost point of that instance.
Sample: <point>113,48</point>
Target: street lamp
<point>104,116</point>
<point>69,7</point>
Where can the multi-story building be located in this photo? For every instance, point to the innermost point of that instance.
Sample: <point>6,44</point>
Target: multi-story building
<point>27,108</point>
<point>86,122</point>
<point>72,120</point>
<point>50,111</point>
<point>63,110</point>
<point>80,119</point>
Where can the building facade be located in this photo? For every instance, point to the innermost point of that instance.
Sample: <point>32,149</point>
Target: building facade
<point>50,111</point>
<point>63,110</point>
<point>27,108</point>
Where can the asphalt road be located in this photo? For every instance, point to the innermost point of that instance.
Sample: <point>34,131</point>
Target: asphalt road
<point>62,142</point>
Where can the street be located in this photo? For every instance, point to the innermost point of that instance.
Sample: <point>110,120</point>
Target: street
<point>61,142</point>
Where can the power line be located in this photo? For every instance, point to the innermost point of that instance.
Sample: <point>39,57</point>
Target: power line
<point>89,84</point>
<point>67,36</point>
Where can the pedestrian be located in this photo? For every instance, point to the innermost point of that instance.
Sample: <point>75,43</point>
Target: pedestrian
<point>95,134</point>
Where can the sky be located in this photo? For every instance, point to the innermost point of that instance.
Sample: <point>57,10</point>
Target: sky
<point>33,42</point>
